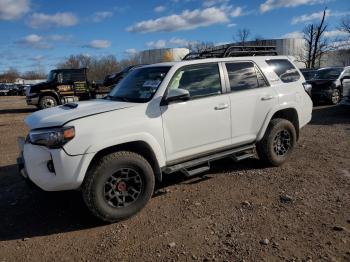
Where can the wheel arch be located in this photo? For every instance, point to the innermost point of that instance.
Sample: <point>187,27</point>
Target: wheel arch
<point>50,93</point>
<point>288,113</point>
<point>138,147</point>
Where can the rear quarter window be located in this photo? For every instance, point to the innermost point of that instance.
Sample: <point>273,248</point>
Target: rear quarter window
<point>284,69</point>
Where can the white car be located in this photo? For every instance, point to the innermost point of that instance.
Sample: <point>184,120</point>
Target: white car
<point>164,118</point>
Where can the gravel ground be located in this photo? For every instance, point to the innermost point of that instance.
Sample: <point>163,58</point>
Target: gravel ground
<point>235,212</point>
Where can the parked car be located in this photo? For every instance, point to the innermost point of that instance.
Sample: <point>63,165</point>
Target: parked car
<point>62,86</point>
<point>162,119</point>
<point>346,92</point>
<point>308,73</point>
<point>8,90</point>
<point>114,79</point>
<point>3,90</point>
<point>327,84</point>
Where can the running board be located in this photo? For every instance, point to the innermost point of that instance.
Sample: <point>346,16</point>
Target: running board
<point>202,164</point>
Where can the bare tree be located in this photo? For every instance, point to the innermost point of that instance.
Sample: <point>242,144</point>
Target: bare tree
<point>343,57</point>
<point>98,67</point>
<point>32,75</point>
<point>309,41</point>
<point>345,25</point>
<point>319,30</point>
<point>198,47</point>
<point>10,75</point>
<point>243,35</point>
<point>315,43</point>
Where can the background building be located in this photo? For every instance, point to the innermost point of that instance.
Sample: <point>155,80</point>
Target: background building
<point>162,55</point>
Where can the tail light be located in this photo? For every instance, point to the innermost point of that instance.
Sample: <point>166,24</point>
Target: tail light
<point>308,88</point>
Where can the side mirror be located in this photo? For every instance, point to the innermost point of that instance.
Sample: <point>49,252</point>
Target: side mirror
<point>346,80</point>
<point>60,78</point>
<point>177,95</point>
<point>345,77</point>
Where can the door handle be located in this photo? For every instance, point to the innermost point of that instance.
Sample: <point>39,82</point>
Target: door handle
<point>266,98</point>
<point>221,107</point>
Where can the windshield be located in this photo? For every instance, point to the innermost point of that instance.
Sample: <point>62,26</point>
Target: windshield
<point>308,74</point>
<point>139,85</point>
<point>330,73</point>
<point>52,76</point>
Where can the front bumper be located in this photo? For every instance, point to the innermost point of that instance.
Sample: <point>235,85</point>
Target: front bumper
<point>321,94</point>
<point>69,171</point>
<point>32,100</point>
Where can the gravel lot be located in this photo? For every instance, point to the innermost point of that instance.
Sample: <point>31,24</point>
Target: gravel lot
<point>236,212</point>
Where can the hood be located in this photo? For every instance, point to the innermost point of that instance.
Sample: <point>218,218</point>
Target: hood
<point>59,115</point>
<point>321,84</point>
<point>42,85</point>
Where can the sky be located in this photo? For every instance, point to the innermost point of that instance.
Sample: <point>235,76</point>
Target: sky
<point>38,34</point>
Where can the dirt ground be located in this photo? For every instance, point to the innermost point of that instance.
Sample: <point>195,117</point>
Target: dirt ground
<point>236,212</point>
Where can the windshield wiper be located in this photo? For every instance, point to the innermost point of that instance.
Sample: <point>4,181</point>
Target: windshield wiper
<point>119,98</point>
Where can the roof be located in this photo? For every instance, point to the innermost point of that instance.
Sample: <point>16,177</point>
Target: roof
<point>69,69</point>
<point>212,60</point>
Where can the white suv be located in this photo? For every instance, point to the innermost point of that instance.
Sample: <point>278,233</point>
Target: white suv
<point>164,118</point>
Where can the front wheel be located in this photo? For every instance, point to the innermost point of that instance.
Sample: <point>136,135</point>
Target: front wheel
<point>335,97</point>
<point>118,186</point>
<point>47,102</point>
<point>278,142</point>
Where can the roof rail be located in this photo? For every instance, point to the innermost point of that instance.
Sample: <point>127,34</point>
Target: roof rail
<point>233,50</point>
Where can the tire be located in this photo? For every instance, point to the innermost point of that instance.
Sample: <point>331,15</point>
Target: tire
<point>269,150</point>
<point>106,202</point>
<point>335,97</point>
<point>47,102</point>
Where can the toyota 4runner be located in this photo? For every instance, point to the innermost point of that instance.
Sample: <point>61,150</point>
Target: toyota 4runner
<point>165,118</point>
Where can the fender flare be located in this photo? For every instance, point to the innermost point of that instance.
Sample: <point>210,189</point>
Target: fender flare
<point>271,113</point>
<point>52,93</point>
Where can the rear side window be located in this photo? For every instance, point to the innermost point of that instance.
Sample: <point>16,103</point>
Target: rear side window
<point>244,76</point>
<point>284,69</point>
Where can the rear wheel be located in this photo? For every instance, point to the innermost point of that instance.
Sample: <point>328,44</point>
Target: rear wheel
<point>335,97</point>
<point>47,102</point>
<point>278,142</point>
<point>118,186</point>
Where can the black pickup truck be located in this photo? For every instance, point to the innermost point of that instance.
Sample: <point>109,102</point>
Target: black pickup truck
<point>62,86</point>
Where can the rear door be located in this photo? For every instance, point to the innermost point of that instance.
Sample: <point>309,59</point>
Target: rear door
<point>291,86</point>
<point>251,98</point>
<point>201,124</point>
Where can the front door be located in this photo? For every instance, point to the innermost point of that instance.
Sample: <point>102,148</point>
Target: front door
<point>201,124</point>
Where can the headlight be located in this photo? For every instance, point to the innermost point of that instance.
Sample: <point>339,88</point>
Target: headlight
<point>53,137</point>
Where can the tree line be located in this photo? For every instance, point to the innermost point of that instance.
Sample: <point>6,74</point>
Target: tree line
<point>10,75</point>
<point>317,45</point>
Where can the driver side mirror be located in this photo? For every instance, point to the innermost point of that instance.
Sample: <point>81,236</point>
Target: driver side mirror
<point>345,80</point>
<point>60,78</point>
<point>177,95</point>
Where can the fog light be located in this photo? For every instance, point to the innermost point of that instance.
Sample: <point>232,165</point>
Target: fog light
<point>50,166</point>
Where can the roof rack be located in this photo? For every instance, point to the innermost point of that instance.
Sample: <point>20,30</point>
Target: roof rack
<point>233,51</point>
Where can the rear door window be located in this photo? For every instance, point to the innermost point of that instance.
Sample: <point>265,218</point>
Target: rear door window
<point>284,69</point>
<point>244,76</point>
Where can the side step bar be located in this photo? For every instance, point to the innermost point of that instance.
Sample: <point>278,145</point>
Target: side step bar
<point>202,164</point>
